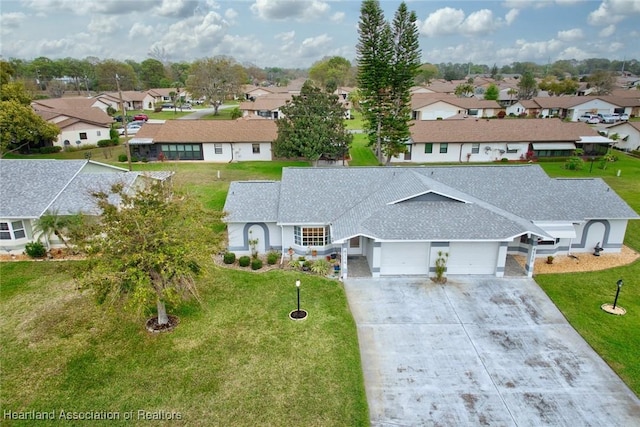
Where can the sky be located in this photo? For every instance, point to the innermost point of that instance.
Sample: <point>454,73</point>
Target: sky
<point>297,33</point>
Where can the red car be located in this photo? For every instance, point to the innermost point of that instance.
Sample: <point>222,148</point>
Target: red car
<point>142,117</point>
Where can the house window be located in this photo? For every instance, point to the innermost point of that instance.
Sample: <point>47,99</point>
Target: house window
<point>472,112</point>
<point>511,149</point>
<point>98,133</point>
<point>311,236</point>
<point>475,148</point>
<point>217,148</point>
<point>12,230</point>
<point>415,115</point>
<point>548,242</point>
<point>444,147</point>
<point>83,135</point>
<point>255,148</point>
<point>182,151</point>
<point>428,148</point>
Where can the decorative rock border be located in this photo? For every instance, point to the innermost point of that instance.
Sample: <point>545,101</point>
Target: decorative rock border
<point>153,326</point>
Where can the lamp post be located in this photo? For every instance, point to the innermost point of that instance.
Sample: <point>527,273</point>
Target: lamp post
<point>615,301</point>
<point>298,314</point>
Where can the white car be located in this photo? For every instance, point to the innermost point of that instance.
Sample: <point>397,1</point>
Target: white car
<point>624,117</point>
<point>608,118</point>
<point>593,120</point>
<point>132,129</point>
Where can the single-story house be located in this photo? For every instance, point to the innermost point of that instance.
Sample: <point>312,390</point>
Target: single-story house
<point>33,188</point>
<point>401,219</point>
<point>78,126</point>
<point>486,140</point>
<point>427,106</point>
<point>628,135</point>
<point>572,107</point>
<point>266,106</point>
<point>209,140</point>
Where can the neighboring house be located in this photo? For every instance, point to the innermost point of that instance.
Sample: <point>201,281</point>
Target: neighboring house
<point>400,219</point>
<point>628,135</point>
<point>525,107</point>
<point>209,140</point>
<point>486,140</point>
<point>78,126</point>
<point>266,106</point>
<point>252,92</point>
<point>163,96</point>
<point>426,106</point>
<point>572,107</point>
<point>70,103</point>
<point>33,188</point>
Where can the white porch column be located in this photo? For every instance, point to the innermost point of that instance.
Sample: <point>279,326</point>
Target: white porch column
<point>502,259</point>
<point>531,258</point>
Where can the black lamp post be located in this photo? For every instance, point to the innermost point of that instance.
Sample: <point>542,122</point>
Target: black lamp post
<point>298,288</point>
<point>298,314</point>
<point>615,301</point>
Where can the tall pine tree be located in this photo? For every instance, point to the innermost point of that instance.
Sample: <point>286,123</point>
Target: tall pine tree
<point>388,61</point>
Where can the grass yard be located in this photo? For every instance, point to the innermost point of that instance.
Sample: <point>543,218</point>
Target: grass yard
<point>236,360</point>
<point>615,338</point>
<point>361,154</point>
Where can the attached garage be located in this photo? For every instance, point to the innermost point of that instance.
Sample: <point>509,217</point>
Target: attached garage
<point>404,258</point>
<point>473,257</point>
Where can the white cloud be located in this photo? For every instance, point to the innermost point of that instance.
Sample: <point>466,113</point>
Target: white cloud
<point>104,24</point>
<point>480,22</point>
<point>286,37</point>
<point>315,46</point>
<point>139,30</point>
<point>338,17</point>
<point>175,8</point>
<point>289,9</point>
<point>607,31</point>
<point>604,15</point>
<point>447,21</point>
<point>230,14</point>
<point>511,16</point>
<point>11,21</point>
<point>574,53</point>
<point>571,35</point>
<point>442,22</point>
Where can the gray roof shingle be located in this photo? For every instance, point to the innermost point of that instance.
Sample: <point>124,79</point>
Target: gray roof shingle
<point>425,203</point>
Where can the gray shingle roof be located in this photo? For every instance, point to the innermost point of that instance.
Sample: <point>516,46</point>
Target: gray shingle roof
<point>393,203</point>
<point>32,187</point>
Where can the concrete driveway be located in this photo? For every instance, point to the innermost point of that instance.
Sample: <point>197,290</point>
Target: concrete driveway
<point>479,351</point>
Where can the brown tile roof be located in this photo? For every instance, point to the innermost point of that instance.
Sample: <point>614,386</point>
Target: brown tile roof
<point>91,115</point>
<point>572,101</point>
<point>63,103</point>
<point>499,130</point>
<point>266,102</point>
<point>626,93</point>
<point>210,131</point>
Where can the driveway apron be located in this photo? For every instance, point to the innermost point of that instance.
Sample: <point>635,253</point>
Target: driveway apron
<point>479,351</point>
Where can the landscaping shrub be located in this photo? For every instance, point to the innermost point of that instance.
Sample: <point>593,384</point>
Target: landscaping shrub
<point>105,143</point>
<point>321,266</point>
<point>35,249</point>
<point>50,150</point>
<point>504,160</point>
<point>229,258</point>
<point>256,264</point>
<point>122,158</point>
<point>574,163</point>
<point>244,261</point>
<point>272,258</point>
<point>501,114</point>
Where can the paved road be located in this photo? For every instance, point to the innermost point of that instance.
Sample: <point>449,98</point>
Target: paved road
<point>199,113</point>
<point>479,351</point>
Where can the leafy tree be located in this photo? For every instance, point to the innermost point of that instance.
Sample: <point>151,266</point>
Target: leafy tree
<point>7,72</point>
<point>21,129</point>
<point>494,71</point>
<point>464,90</point>
<point>492,93</point>
<point>312,126</point>
<point>330,73</point>
<point>106,72</point>
<point>152,73</point>
<point>426,73</point>
<point>216,79</point>
<point>527,86</point>
<point>146,250</point>
<point>602,82</point>
<point>15,91</point>
<point>51,223</point>
<point>558,87</point>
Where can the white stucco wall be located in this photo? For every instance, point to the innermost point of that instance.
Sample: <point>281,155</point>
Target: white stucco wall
<point>238,235</point>
<point>72,134</point>
<point>457,152</point>
<point>632,142</point>
<point>242,152</point>
<point>439,109</point>
<point>592,106</point>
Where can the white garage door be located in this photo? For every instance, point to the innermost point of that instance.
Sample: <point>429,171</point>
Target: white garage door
<point>473,258</point>
<point>404,258</point>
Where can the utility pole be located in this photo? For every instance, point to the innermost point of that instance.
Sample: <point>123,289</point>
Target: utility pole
<point>124,123</point>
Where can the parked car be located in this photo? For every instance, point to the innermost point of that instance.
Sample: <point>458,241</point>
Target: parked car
<point>616,116</point>
<point>608,118</point>
<point>118,118</point>
<point>594,120</point>
<point>588,118</point>
<point>132,129</point>
<point>624,117</point>
<point>167,106</point>
<point>142,117</point>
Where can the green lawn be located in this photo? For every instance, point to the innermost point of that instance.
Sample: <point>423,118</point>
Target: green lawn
<point>615,338</point>
<point>236,360</point>
<point>361,154</point>
<point>356,122</point>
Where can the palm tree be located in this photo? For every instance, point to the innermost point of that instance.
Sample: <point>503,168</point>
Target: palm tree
<point>52,224</point>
